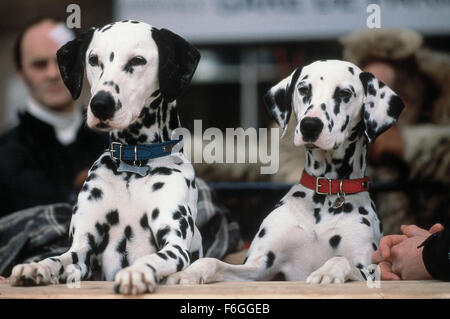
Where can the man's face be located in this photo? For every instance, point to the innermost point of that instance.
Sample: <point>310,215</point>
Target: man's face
<point>40,69</point>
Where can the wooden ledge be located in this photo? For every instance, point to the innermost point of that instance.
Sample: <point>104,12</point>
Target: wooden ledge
<point>240,290</point>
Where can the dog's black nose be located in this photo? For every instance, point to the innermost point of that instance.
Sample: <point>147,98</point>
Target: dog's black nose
<point>102,105</point>
<point>311,127</point>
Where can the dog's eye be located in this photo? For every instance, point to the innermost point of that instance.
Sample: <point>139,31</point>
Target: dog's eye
<point>93,60</point>
<point>137,60</point>
<point>345,94</point>
<point>303,90</point>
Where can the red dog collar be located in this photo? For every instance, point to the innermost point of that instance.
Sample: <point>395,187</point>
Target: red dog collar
<point>325,186</point>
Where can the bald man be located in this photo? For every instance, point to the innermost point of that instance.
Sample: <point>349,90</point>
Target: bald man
<point>44,160</point>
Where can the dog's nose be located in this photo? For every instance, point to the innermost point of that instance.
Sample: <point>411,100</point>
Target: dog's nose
<point>311,127</point>
<point>102,105</point>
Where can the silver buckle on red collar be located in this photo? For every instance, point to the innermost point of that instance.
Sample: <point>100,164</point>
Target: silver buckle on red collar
<point>318,186</point>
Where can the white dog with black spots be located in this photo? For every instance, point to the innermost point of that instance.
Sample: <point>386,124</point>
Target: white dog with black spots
<point>315,233</point>
<point>133,229</point>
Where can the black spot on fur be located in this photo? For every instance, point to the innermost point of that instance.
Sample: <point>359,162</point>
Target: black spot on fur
<point>299,194</point>
<point>374,246</point>
<point>160,236</point>
<point>365,221</point>
<point>334,241</point>
<point>155,213</point>
<point>91,177</point>
<point>113,217</point>
<point>128,232</point>
<point>171,254</point>
<point>319,198</point>
<point>347,120</point>
<point>363,211</point>
<point>347,208</point>
<point>262,233</point>
<point>316,165</point>
<point>176,215</point>
<point>96,194</point>
<point>395,106</point>
<point>183,252</point>
<point>162,255</point>
<point>163,171</point>
<point>270,259</point>
<point>351,70</point>
<point>317,215</point>
<point>180,264</point>
<point>74,258</point>
<point>111,57</point>
<point>157,186</point>
<point>151,267</point>
<point>183,227</point>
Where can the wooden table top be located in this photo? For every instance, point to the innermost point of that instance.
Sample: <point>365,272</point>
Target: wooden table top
<point>240,290</point>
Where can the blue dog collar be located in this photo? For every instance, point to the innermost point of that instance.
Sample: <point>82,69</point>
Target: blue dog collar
<point>142,152</point>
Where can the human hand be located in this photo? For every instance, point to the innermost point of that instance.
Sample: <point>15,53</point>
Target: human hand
<point>399,257</point>
<point>383,254</point>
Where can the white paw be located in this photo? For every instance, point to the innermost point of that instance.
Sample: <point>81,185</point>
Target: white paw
<point>197,273</point>
<point>134,280</point>
<point>336,270</point>
<point>185,277</point>
<point>32,274</point>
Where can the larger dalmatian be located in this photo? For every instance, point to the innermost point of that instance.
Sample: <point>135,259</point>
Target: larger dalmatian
<point>325,229</point>
<point>134,221</point>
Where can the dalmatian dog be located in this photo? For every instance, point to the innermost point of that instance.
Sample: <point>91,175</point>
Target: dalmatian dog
<point>325,229</point>
<point>134,221</point>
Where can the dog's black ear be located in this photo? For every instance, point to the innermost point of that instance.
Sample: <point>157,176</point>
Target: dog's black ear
<point>178,60</point>
<point>71,62</point>
<point>278,100</point>
<point>381,107</point>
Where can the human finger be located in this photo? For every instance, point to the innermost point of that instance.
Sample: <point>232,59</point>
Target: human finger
<point>387,242</point>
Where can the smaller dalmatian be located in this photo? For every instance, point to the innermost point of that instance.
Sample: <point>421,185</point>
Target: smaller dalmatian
<point>134,221</point>
<point>325,229</point>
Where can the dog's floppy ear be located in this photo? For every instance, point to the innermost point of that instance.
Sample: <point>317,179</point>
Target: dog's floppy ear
<point>178,60</point>
<point>71,62</point>
<point>278,100</point>
<point>381,107</point>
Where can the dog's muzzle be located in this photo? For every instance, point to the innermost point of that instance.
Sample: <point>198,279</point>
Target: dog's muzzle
<point>103,105</point>
<point>311,127</point>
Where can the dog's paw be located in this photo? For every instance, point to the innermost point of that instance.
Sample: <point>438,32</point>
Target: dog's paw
<point>336,270</point>
<point>134,280</point>
<point>33,274</point>
<point>185,277</point>
<point>200,272</point>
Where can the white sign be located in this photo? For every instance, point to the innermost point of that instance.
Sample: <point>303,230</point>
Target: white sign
<point>222,21</point>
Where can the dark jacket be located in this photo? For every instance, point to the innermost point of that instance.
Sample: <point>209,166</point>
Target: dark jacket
<point>436,254</point>
<point>36,169</point>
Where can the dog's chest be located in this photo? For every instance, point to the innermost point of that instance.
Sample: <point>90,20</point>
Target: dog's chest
<point>128,209</point>
<point>320,213</point>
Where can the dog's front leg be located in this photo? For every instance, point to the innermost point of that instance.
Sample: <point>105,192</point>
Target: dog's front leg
<point>73,265</point>
<point>174,241</point>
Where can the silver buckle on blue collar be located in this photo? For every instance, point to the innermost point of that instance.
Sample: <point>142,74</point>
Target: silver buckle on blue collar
<point>113,151</point>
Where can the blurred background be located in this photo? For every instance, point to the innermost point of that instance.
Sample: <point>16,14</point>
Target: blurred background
<point>247,46</point>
